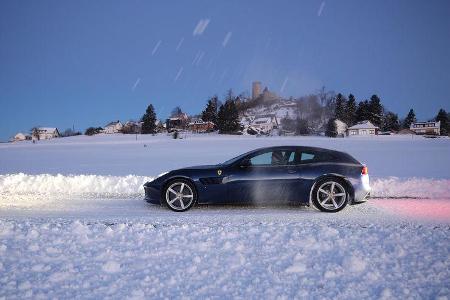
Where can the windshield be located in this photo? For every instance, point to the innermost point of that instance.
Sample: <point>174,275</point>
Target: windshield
<point>237,158</point>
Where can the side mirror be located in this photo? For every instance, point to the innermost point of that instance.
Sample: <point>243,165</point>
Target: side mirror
<point>245,163</point>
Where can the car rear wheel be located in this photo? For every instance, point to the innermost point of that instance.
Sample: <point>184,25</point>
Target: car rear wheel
<point>180,195</point>
<point>330,195</point>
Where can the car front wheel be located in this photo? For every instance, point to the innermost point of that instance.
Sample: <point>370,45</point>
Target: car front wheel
<point>330,195</point>
<point>180,195</point>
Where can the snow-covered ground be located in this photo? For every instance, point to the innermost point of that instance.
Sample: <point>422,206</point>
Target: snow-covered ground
<point>386,156</point>
<point>73,224</point>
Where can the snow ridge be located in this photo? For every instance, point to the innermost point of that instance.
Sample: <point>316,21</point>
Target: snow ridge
<point>72,185</point>
<point>410,188</point>
<point>130,186</point>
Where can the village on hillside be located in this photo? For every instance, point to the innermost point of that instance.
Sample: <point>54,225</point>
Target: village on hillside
<point>264,113</point>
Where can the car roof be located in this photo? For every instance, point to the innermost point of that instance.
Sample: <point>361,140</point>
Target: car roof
<point>295,147</point>
<point>334,153</point>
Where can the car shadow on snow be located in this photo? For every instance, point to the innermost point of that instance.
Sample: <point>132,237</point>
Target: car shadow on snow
<point>240,207</point>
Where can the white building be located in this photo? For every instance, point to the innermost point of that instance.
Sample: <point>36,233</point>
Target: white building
<point>21,137</point>
<point>113,127</point>
<point>201,126</point>
<point>265,123</point>
<point>426,127</point>
<point>363,128</point>
<point>46,133</point>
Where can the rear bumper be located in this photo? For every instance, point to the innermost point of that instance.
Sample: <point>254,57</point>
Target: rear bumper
<point>362,190</point>
<point>152,194</point>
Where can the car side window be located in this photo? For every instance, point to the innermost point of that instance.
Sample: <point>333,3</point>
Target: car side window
<point>290,157</point>
<point>304,157</point>
<point>263,159</point>
<point>307,157</point>
<point>273,158</point>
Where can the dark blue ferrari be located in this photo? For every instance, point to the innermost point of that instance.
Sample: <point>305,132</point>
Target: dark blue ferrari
<point>329,179</point>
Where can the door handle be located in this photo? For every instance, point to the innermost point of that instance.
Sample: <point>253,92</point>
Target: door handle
<point>291,171</point>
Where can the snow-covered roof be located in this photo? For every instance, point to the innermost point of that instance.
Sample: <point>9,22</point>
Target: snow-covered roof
<point>113,123</point>
<point>200,122</point>
<point>364,125</point>
<point>433,124</point>
<point>182,116</point>
<point>48,129</point>
<point>265,120</point>
<point>428,122</point>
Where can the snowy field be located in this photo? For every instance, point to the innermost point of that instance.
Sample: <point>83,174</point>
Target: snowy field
<point>73,224</point>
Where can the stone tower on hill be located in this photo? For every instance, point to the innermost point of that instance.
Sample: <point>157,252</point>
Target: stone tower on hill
<point>256,89</point>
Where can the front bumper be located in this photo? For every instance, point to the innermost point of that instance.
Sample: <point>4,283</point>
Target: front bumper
<point>152,194</point>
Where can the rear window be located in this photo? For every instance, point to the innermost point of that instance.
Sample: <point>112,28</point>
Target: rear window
<point>308,156</point>
<point>305,156</point>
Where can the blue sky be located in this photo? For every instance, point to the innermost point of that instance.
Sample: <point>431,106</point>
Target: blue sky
<point>85,63</point>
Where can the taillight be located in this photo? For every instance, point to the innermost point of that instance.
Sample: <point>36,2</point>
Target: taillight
<point>364,171</point>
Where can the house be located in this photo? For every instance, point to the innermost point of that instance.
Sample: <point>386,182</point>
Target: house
<point>177,122</point>
<point>113,127</point>
<point>201,126</point>
<point>160,126</point>
<point>265,123</point>
<point>405,131</point>
<point>433,128</point>
<point>131,127</point>
<point>363,128</point>
<point>21,137</point>
<point>46,133</point>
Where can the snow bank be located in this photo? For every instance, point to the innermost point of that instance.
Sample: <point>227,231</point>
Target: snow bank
<point>394,187</point>
<point>60,185</point>
<point>24,189</point>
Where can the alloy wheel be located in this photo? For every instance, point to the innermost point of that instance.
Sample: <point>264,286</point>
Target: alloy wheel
<point>179,196</point>
<point>331,196</point>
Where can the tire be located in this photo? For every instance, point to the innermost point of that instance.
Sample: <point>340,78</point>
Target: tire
<point>179,195</point>
<point>330,195</point>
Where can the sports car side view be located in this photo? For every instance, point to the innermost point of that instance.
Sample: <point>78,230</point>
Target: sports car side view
<point>326,178</point>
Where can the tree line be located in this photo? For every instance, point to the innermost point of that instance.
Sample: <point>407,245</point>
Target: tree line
<point>350,112</point>
<point>315,113</point>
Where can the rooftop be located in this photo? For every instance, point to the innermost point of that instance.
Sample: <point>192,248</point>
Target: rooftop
<point>364,125</point>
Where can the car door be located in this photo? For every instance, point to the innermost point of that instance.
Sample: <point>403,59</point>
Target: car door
<point>267,178</point>
<point>304,163</point>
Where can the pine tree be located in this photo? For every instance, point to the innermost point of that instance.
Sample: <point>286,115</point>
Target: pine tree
<point>351,110</point>
<point>302,127</point>
<point>391,122</point>
<point>375,110</point>
<point>35,133</point>
<point>228,117</point>
<point>362,112</point>
<point>443,118</point>
<point>149,120</point>
<point>210,112</point>
<point>410,118</point>
<point>339,111</point>
<point>331,129</point>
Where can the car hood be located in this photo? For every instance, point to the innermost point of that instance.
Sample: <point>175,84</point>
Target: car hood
<point>204,167</point>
